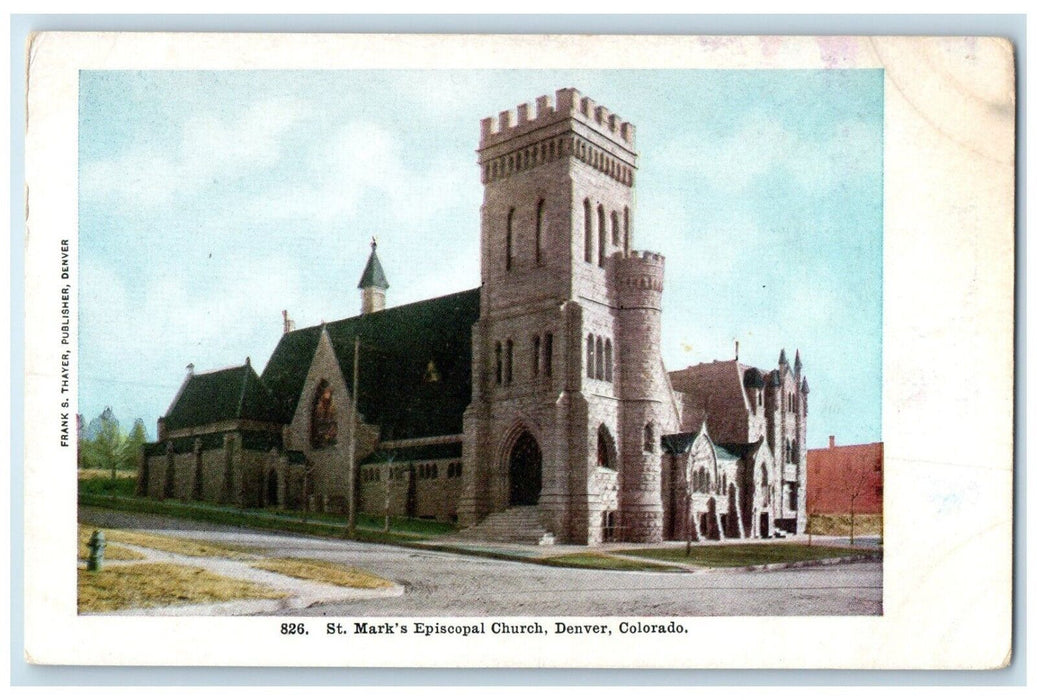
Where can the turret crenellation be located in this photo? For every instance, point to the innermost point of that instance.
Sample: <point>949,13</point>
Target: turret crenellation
<point>567,103</point>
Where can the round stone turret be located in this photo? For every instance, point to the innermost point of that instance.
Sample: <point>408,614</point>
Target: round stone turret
<point>639,285</point>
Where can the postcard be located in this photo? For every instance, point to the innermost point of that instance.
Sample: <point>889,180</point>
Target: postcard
<point>519,351</point>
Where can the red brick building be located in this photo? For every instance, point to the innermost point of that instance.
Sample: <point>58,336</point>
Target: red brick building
<point>844,478</point>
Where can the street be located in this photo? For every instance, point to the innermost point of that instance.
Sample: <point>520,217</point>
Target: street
<point>447,584</point>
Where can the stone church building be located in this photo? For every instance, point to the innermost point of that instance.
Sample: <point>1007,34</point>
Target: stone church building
<point>535,405</point>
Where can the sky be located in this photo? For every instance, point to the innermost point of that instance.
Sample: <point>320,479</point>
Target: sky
<point>210,201</point>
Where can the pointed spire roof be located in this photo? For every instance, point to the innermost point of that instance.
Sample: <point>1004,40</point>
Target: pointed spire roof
<point>806,387</point>
<point>798,365</point>
<point>374,275</point>
<point>782,359</point>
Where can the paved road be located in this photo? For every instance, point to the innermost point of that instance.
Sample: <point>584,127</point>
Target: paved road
<point>444,584</point>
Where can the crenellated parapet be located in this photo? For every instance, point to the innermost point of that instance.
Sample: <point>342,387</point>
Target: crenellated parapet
<point>568,125</point>
<point>639,278</point>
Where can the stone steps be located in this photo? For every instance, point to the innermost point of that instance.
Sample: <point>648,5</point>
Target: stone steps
<point>520,524</point>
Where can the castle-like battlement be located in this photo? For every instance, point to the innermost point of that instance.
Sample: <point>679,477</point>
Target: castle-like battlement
<point>567,103</point>
<point>645,255</point>
<point>640,271</point>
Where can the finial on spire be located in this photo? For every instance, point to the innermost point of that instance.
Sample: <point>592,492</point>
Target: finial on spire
<point>374,243</point>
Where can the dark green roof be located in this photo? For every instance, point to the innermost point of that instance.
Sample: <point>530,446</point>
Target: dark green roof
<point>736,450</point>
<point>226,394</point>
<point>678,443</point>
<point>450,450</point>
<point>374,275</point>
<point>397,345</point>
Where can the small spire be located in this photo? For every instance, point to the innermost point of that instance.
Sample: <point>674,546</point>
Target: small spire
<point>372,283</point>
<point>806,387</point>
<point>248,361</point>
<point>190,369</point>
<point>798,366</point>
<point>782,359</point>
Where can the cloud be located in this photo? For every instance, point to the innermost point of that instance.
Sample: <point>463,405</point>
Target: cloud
<point>207,147</point>
<point>735,161</point>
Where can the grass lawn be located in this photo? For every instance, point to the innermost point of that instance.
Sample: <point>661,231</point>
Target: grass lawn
<point>113,552</point>
<point>176,545</point>
<point>98,481</point>
<point>369,527</point>
<point>324,572</point>
<point>154,585</point>
<point>744,554</point>
<point>592,560</point>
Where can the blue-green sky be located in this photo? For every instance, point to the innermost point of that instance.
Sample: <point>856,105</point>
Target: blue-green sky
<point>210,201</point>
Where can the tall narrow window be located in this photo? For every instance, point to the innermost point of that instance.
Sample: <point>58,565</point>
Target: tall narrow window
<point>599,358</point>
<point>588,232</point>
<point>509,356</point>
<point>608,360</point>
<point>615,229</point>
<point>649,445</point>
<point>500,363</point>
<point>539,230</point>
<point>626,229</point>
<point>601,236</point>
<point>508,240</point>
<point>590,357</point>
<point>548,353</point>
<point>536,356</point>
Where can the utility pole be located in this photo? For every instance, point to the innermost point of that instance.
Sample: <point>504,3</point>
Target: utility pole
<point>352,438</point>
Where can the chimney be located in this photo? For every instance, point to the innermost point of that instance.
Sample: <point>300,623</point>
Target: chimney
<point>289,324</point>
<point>831,441</point>
<point>190,369</point>
<point>736,349</point>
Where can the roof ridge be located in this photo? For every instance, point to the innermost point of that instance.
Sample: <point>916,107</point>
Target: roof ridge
<point>384,311</point>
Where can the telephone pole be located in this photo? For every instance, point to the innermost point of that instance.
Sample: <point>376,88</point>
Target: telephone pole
<point>352,438</point>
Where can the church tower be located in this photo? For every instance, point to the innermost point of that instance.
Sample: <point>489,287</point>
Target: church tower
<point>564,304</point>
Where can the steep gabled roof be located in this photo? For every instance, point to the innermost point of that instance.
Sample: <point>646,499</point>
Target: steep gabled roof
<point>397,390</point>
<point>234,393</point>
<point>715,392</point>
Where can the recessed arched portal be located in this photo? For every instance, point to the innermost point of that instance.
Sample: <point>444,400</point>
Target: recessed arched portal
<point>524,471</point>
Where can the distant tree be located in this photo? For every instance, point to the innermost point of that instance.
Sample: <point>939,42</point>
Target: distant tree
<point>854,479</point>
<point>137,437</point>
<point>105,446</point>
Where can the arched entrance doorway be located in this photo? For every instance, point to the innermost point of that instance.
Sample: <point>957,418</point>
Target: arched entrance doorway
<point>524,471</point>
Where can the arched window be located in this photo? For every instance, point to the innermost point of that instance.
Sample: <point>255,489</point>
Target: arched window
<point>615,229</point>
<point>588,232</point>
<point>509,356</point>
<point>626,229</point>
<point>539,230</point>
<point>323,423</point>
<point>606,447</point>
<point>599,358</point>
<point>508,239</point>
<point>590,357</point>
<point>548,353</point>
<point>601,236</point>
<point>536,356</point>
<point>500,362</point>
<point>649,445</point>
<point>608,360</point>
